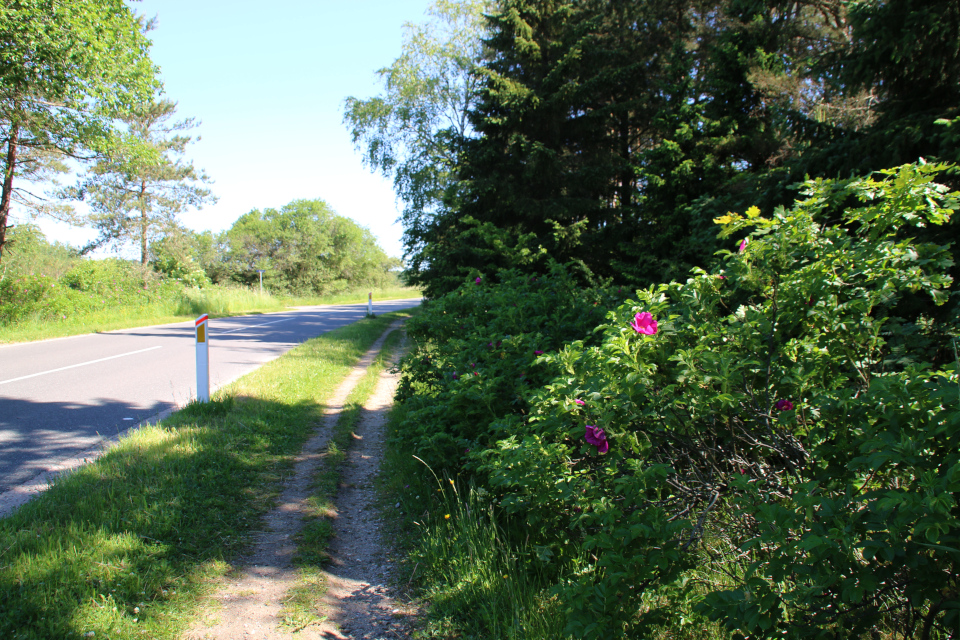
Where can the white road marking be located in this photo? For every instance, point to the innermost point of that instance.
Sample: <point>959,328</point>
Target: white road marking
<point>255,326</point>
<point>82,364</point>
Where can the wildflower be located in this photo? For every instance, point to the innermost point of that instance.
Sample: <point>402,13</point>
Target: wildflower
<point>722,277</point>
<point>644,323</point>
<point>580,402</point>
<point>446,517</point>
<point>743,245</point>
<point>478,280</point>
<point>597,438</point>
<point>537,353</point>
<point>784,405</point>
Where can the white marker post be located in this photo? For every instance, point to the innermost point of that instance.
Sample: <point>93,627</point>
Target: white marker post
<point>203,359</point>
<point>370,304</point>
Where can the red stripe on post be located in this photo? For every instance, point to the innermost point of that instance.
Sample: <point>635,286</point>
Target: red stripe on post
<point>201,319</point>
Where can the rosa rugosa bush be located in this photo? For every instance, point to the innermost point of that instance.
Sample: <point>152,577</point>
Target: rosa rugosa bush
<point>478,354</point>
<point>779,449</point>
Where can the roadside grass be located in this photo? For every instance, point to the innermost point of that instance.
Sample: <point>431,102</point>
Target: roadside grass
<point>457,559</point>
<point>185,306</point>
<point>123,547</point>
<point>313,540</point>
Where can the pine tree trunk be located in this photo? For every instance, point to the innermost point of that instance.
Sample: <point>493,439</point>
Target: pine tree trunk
<point>7,192</point>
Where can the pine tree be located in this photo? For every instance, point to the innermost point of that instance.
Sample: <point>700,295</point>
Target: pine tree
<point>138,190</point>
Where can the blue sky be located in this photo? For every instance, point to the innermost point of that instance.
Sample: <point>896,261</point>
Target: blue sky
<point>267,80</point>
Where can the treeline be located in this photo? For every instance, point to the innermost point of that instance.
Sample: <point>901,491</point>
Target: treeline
<point>303,249</point>
<point>613,133</point>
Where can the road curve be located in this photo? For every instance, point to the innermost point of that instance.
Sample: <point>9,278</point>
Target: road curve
<point>61,399</point>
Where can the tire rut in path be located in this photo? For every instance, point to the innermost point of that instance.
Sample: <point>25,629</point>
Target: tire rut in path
<point>357,601</point>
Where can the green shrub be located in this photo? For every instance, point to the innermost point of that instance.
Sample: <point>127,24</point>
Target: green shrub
<point>110,277</point>
<point>27,252</point>
<point>183,270</point>
<point>782,449</point>
<point>479,357</point>
<point>22,295</point>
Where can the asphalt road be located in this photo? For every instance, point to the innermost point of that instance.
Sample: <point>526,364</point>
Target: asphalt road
<point>61,398</point>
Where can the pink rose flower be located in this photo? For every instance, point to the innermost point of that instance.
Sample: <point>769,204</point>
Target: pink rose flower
<point>644,323</point>
<point>597,438</point>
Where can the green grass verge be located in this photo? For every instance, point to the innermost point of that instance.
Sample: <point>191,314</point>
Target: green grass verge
<point>218,302</point>
<point>300,608</point>
<point>124,546</point>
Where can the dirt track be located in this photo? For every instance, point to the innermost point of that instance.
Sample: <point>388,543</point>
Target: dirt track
<point>357,603</point>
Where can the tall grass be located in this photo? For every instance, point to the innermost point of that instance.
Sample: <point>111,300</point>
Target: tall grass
<point>222,301</point>
<point>477,580</point>
<point>386,293</point>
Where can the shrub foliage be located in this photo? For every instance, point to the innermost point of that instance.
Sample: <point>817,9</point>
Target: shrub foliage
<point>773,445</point>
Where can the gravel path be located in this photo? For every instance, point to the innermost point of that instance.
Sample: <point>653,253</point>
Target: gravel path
<point>357,603</point>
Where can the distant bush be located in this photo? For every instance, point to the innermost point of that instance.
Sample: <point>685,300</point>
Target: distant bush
<point>110,276</point>
<point>184,271</point>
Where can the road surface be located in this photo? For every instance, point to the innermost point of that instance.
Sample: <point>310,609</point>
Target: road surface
<point>61,399</point>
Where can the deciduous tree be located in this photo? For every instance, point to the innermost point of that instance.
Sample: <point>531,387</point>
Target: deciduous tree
<point>304,247</point>
<point>67,69</point>
<point>413,130</point>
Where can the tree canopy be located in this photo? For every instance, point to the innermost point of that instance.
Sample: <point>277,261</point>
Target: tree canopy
<point>413,131</point>
<point>67,69</point>
<point>612,134</point>
<point>304,247</point>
